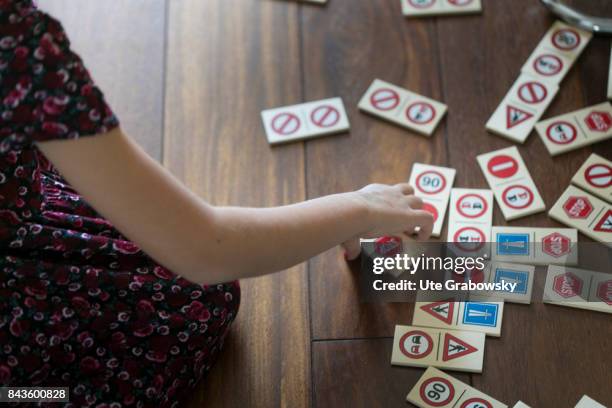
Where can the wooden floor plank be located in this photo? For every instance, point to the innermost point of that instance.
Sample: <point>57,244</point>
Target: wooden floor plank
<point>358,373</point>
<point>481,56</point>
<point>346,46</point>
<point>226,62</point>
<point>122,44</point>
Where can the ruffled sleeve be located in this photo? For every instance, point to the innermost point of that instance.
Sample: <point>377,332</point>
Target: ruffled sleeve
<point>46,92</point>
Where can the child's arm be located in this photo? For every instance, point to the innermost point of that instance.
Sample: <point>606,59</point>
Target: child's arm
<point>206,244</point>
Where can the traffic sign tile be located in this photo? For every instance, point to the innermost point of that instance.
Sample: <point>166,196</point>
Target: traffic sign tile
<point>449,349</point>
<point>438,389</point>
<point>577,129</point>
<point>578,288</point>
<point>595,176</point>
<point>590,215</point>
<point>402,107</point>
<point>537,246</point>
<point>433,184</point>
<point>512,185</point>
<point>304,121</point>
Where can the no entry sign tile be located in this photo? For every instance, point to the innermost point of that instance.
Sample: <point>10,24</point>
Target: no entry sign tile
<point>595,176</point>
<point>512,185</point>
<point>590,215</point>
<point>577,129</point>
<point>304,121</point>
<point>402,107</point>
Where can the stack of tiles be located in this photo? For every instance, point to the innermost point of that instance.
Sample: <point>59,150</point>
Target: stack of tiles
<point>539,246</point>
<point>437,389</point>
<point>417,8</point>
<point>469,219</point>
<point>576,129</point>
<point>433,184</point>
<point>451,349</point>
<point>587,213</point>
<point>508,177</point>
<point>595,176</point>
<point>305,121</point>
<point>485,317</point>
<point>402,107</point>
<point>578,288</point>
<point>538,83</point>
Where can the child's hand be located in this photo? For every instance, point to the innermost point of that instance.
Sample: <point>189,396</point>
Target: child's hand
<point>392,210</point>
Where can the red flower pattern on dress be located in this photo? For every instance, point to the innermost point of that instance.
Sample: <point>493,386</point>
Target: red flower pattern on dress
<point>81,305</point>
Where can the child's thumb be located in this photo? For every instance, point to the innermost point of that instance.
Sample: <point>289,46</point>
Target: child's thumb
<point>352,249</point>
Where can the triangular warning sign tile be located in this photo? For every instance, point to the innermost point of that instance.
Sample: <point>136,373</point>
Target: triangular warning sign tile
<point>514,116</point>
<point>440,310</point>
<point>605,224</point>
<point>455,348</point>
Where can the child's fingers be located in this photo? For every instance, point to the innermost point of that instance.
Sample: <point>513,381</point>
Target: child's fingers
<point>415,202</point>
<point>405,188</point>
<point>352,249</point>
<point>424,220</point>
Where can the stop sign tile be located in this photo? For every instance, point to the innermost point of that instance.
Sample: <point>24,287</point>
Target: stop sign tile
<point>568,285</point>
<point>577,129</point>
<point>598,121</point>
<point>578,207</point>
<point>604,291</point>
<point>556,245</point>
<point>578,288</point>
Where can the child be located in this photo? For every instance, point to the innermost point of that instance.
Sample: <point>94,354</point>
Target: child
<point>110,274</point>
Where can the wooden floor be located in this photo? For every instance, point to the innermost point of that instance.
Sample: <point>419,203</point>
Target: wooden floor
<point>189,78</point>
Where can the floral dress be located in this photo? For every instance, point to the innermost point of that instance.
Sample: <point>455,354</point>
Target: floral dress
<point>80,305</point>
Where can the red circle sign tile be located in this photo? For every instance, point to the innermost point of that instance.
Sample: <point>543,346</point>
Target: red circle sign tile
<point>460,3</point>
<point>421,113</point>
<point>385,99</point>
<point>422,4</point>
<point>430,182</point>
<point>599,175</point>
<point>566,39</point>
<point>416,344</point>
<point>502,166</point>
<point>476,403</point>
<point>437,391</point>
<point>548,65</point>
<point>431,209</point>
<point>285,123</point>
<point>472,205</point>
<point>469,239</point>
<point>532,92</point>
<point>517,197</point>
<point>561,132</point>
<point>325,116</point>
